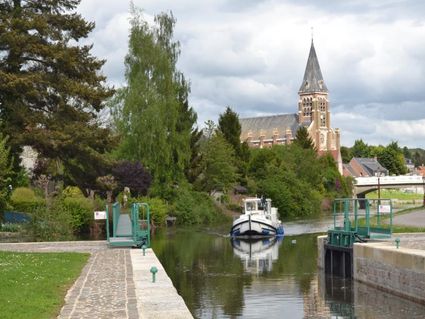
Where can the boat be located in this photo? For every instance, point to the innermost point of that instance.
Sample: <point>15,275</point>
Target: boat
<point>259,219</point>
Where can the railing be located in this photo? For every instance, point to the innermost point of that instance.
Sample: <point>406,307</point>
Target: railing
<point>389,180</point>
<point>116,212</point>
<point>360,219</point>
<point>140,219</point>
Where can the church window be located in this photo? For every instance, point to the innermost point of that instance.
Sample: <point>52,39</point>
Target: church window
<point>322,120</point>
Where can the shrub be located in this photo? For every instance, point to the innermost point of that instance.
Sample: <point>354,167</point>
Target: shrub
<point>194,208</point>
<point>80,210</point>
<point>10,227</point>
<point>50,223</point>
<point>158,208</point>
<point>24,200</point>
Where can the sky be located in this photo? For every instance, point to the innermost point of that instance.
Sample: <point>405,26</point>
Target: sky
<point>251,55</point>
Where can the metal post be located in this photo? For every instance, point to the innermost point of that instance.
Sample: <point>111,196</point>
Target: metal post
<point>423,187</point>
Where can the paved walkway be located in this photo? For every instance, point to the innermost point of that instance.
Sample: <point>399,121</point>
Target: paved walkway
<point>416,219</point>
<point>107,285</point>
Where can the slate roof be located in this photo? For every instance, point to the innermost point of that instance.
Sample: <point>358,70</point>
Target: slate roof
<point>267,125</point>
<point>313,79</point>
<point>371,165</point>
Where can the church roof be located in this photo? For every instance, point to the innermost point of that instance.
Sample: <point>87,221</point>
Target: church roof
<point>313,79</point>
<point>268,124</point>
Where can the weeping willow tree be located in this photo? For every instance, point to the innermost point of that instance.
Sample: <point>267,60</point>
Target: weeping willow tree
<point>151,113</point>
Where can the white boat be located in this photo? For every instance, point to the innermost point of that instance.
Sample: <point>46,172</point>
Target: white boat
<point>259,219</point>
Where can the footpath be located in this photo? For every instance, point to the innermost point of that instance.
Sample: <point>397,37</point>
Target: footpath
<point>115,283</point>
<point>416,219</point>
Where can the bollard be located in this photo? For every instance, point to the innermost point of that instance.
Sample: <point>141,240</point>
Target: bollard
<point>397,243</point>
<point>143,248</point>
<point>154,270</point>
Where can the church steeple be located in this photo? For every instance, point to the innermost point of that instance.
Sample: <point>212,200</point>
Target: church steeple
<point>313,79</point>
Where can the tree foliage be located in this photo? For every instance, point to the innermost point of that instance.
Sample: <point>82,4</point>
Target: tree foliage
<point>303,139</point>
<point>230,128</point>
<point>5,173</point>
<point>296,179</point>
<point>152,113</point>
<point>132,175</point>
<point>392,158</point>
<point>51,87</point>
<point>219,171</point>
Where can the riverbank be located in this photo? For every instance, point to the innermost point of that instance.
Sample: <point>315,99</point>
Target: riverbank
<point>114,283</point>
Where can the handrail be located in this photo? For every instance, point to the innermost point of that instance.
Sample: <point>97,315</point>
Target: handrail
<point>115,217</point>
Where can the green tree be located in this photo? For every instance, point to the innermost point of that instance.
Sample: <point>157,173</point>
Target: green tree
<point>392,158</point>
<point>151,113</point>
<point>360,149</point>
<point>303,139</point>
<point>51,88</point>
<point>219,171</point>
<point>5,173</point>
<point>346,154</point>
<point>230,127</point>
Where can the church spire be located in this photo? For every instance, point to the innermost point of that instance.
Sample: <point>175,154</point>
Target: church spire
<point>313,79</point>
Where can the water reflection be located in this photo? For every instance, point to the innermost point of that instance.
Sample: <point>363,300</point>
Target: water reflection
<point>218,278</point>
<point>257,255</point>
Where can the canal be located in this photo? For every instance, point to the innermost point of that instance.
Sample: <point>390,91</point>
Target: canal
<point>221,278</point>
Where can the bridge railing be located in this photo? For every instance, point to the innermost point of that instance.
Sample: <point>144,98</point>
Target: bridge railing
<point>390,180</point>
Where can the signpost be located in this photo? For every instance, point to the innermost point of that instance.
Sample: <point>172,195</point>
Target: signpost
<point>99,215</point>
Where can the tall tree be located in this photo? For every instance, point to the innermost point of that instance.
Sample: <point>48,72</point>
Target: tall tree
<point>218,164</point>
<point>230,127</point>
<point>51,88</point>
<point>303,139</point>
<point>151,113</point>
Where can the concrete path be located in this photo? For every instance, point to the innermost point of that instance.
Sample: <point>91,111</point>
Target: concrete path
<point>416,219</point>
<point>109,288</point>
<point>160,299</point>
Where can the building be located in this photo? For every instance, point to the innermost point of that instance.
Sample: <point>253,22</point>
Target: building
<point>313,113</point>
<point>364,167</point>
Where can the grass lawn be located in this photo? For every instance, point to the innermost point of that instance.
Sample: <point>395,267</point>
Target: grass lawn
<point>33,285</point>
<point>392,193</point>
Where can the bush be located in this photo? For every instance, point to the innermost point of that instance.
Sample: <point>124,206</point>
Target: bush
<point>24,200</point>
<point>9,227</point>
<point>80,209</point>
<point>158,208</point>
<point>194,208</point>
<point>50,223</point>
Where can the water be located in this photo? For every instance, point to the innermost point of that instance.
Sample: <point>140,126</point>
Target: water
<point>218,278</point>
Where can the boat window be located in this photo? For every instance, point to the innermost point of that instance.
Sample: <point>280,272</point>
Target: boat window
<point>250,206</point>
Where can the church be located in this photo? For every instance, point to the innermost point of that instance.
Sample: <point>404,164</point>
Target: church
<point>313,113</point>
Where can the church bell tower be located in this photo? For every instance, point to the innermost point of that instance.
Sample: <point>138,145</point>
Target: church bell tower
<point>313,103</point>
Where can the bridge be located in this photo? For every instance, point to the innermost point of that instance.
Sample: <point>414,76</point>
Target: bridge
<point>363,185</point>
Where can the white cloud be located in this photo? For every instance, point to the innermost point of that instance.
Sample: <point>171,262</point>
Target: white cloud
<point>252,54</point>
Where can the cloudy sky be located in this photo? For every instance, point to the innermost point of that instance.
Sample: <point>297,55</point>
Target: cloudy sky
<point>251,55</point>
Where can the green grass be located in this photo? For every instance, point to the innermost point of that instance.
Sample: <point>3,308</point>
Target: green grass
<point>396,194</point>
<point>33,285</point>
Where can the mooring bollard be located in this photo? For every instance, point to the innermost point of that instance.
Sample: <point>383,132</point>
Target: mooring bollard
<point>154,270</point>
<point>143,248</point>
<point>397,243</point>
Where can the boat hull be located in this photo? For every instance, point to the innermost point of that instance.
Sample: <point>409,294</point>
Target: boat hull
<point>252,226</point>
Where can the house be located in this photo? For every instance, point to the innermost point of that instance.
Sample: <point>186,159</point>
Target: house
<point>366,167</point>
